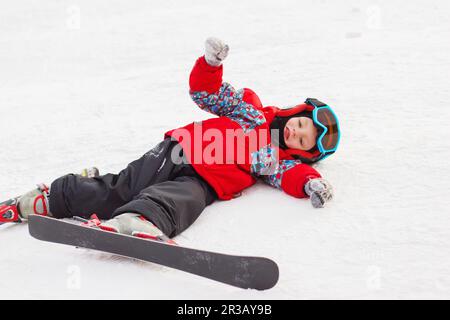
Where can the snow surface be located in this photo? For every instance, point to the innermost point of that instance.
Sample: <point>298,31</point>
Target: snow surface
<point>97,82</point>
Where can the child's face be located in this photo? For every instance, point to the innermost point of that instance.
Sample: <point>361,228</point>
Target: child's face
<point>300,133</point>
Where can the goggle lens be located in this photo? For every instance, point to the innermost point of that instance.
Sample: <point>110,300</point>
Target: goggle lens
<point>327,120</point>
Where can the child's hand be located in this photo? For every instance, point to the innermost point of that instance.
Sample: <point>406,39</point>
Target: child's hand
<point>320,191</point>
<point>215,51</point>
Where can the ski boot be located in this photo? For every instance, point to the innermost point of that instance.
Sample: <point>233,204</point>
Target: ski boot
<point>135,225</point>
<point>91,172</point>
<point>33,202</point>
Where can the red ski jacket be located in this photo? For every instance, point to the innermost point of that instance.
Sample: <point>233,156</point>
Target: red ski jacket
<point>234,149</point>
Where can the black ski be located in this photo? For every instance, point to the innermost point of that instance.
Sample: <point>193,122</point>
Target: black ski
<point>240,271</point>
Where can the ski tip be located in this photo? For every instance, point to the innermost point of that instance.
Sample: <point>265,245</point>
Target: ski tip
<point>261,274</point>
<point>269,276</point>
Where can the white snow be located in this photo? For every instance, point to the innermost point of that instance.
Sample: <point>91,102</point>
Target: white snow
<point>97,82</point>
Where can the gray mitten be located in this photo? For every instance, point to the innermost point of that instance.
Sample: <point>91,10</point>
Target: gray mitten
<point>320,192</point>
<point>215,51</point>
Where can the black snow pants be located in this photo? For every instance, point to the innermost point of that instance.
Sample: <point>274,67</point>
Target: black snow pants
<point>160,186</point>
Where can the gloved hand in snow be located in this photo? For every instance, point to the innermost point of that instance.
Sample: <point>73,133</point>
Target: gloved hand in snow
<point>215,51</point>
<point>320,192</point>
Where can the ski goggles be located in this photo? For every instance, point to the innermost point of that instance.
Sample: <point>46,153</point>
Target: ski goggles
<point>325,119</point>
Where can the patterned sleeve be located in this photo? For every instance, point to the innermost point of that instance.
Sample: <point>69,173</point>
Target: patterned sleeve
<point>276,177</point>
<point>229,102</point>
<point>221,103</point>
<point>287,175</point>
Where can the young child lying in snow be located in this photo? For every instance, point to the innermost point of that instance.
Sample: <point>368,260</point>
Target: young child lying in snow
<point>162,193</point>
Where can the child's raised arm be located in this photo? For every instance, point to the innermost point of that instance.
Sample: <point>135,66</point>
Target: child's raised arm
<point>217,97</point>
<point>208,70</point>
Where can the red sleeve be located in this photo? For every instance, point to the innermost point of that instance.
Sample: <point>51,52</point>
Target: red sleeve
<point>205,77</point>
<point>294,180</point>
